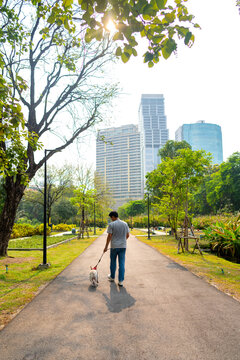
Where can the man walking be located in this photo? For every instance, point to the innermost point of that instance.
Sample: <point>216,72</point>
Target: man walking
<point>118,233</point>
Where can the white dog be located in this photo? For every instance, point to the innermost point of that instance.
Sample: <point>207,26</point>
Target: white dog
<point>93,276</point>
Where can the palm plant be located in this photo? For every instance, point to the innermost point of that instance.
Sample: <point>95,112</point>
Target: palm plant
<point>224,238</point>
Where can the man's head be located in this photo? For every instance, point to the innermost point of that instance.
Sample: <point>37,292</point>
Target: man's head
<point>113,215</point>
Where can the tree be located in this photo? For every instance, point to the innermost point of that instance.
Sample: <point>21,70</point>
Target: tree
<point>83,200</point>
<point>223,186</point>
<point>13,133</point>
<point>30,207</point>
<point>55,43</point>
<point>199,202</point>
<point>161,22</point>
<point>171,149</point>
<point>103,197</point>
<point>178,178</point>
<point>67,66</point>
<point>122,211</point>
<point>64,210</point>
<point>58,181</point>
<point>132,208</point>
<point>90,190</point>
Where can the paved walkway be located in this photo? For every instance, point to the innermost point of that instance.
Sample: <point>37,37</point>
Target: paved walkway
<point>163,313</point>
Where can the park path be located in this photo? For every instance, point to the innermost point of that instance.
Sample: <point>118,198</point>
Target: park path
<point>162,313</point>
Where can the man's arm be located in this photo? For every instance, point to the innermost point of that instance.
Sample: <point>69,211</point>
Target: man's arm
<point>109,238</point>
<point>127,236</point>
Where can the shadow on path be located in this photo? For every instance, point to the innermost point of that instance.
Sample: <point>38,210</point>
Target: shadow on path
<point>119,299</point>
<point>173,265</point>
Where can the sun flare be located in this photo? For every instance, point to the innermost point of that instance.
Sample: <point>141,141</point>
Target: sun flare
<point>111,27</point>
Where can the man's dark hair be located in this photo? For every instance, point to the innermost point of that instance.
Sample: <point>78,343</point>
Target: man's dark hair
<point>113,213</point>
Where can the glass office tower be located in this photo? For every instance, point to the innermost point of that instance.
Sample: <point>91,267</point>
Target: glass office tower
<point>118,162</point>
<point>153,130</point>
<point>203,136</point>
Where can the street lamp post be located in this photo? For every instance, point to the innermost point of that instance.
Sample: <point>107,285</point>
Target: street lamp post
<point>94,218</point>
<point>44,264</point>
<point>45,212</point>
<point>149,238</point>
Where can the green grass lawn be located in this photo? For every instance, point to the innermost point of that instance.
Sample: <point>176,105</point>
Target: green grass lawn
<point>140,232</point>
<point>36,241</point>
<point>98,231</point>
<point>217,271</point>
<point>22,281</point>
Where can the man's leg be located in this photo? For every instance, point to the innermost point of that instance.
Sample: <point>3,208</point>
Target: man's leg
<point>113,258</point>
<point>121,263</point>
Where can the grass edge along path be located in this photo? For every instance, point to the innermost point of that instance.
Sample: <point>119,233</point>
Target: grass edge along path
<point>218,272</point>
<point>24,281</point>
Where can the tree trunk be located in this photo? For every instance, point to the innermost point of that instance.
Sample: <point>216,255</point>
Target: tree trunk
<point>14,192</point>
<point>186,233</point>
<point>186,245</point>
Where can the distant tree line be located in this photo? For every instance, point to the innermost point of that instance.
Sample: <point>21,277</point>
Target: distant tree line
<point>219,190</point>
<point>186,184</point>
<point>71,192</point>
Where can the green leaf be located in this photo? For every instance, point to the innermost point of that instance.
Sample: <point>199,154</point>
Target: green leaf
<point>101,6</point>
<point>125,57</point>
<point>99,34</point>
<point>118,36</point>
<point>147,17</point>
<point>67,3</point>
<point>150,64</point>
<point>168,48</point>
<point>187,37</point>
<point>148,57</point>
<point>119,51</point>
<point>170,17</point>
<point>161,4</point>
<point>157,39</point>
<point>148,10</point>
<point>134,52</point>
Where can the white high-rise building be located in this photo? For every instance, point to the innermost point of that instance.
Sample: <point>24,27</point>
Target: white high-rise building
<point>118,162</point>
<point>153,130</point>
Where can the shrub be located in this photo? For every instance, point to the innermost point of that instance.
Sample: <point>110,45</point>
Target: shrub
<point>202,222</point>
<point>224,238</point>
<point>24,230</point>
<point>40,229</point>
<point>142,221</point>
<point>63,227</point>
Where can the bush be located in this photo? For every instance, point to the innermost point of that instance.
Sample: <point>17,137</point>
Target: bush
<point>24,230</point>
<point>203,222</point>
<point>40,229</point>
<point>224,238</point>
<point>142,221</point>
<point>63,227</point>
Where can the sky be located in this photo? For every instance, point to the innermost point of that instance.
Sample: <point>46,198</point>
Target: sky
<point>199,83</point>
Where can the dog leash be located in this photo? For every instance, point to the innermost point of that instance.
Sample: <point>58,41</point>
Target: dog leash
<point>95,267</point>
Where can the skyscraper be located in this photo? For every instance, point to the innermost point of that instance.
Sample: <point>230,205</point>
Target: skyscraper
<point>203,136</point>
<point>153,130</point>
<point>118,162</point>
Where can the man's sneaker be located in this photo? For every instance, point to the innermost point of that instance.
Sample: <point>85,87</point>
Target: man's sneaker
<point>109,278</point>
<point>120,283</point>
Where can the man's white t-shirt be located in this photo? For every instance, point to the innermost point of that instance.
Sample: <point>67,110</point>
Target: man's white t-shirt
<point>119,230</point>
